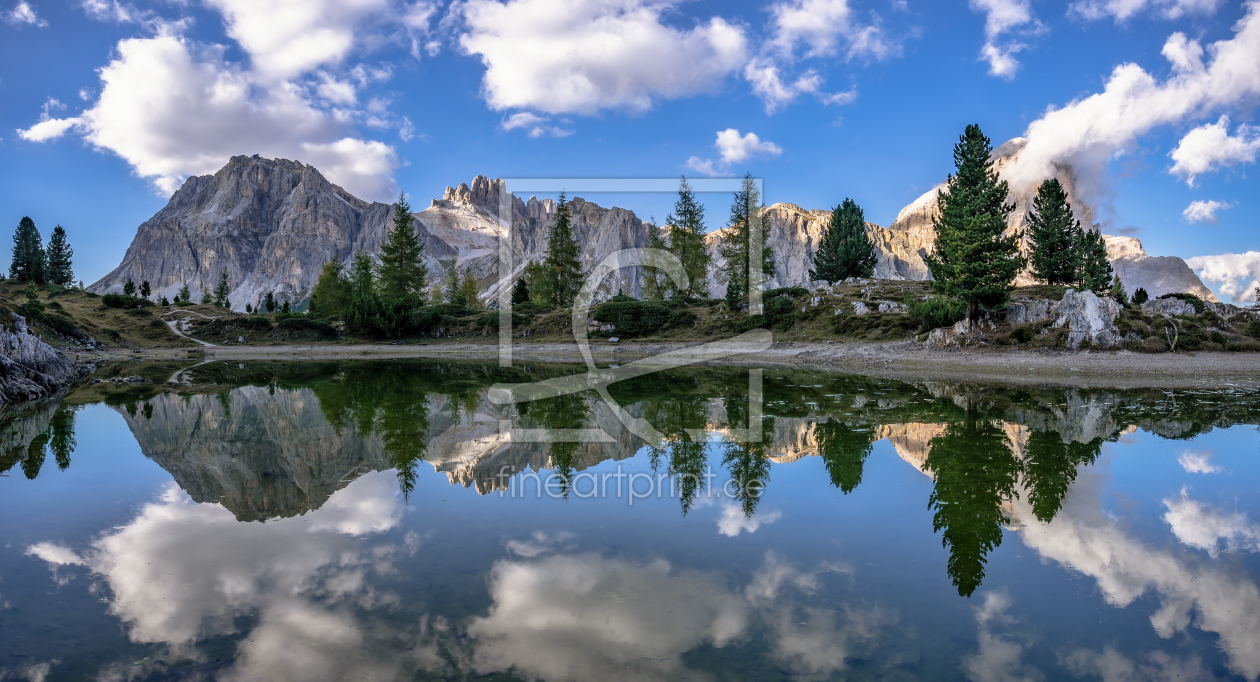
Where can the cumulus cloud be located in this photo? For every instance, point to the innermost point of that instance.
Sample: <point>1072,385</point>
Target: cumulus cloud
<point>733,148</point>
<point>732,522</point>
<point>999,659</point>
<point>23,14</point>
<point>805,29</point>
<point>1232,272</point>
<point>112,10</point>
<point>1088,132</point>
<point>584,56</point>
<point>1125,9</point>
<point>1085,538</point>
<point>1204,211</point>
<point>173,109</point>
<point>1113,666</point>
<point>1210,147</point>
<point>55,554</point>
<point>1198,462</point>
<point>1212,531</point>
<point>1001,17</point>
<point>538,126</point>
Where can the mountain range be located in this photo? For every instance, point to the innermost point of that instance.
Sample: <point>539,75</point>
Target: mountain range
<point>273,223</point>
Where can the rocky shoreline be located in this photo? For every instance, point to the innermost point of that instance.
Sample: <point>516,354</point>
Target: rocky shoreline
<point>31,369</point>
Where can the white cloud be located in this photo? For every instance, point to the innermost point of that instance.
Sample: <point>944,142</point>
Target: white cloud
<point>171,110</point>
<point>23,13</point>
<point>584,56</point>
<point>824,28</point>
<point>733,148</point>
<point>764,75</point>
<point>1087,132</point>
<point>1210,146</point>
<point>732,522</point>
<point>538,544</point>
<point>1202,527</point>
<point>1204,211</point>
<point>1001,16</point>
<point>999,658</point>
<point>112,10</point>
<point>1198,462</point>
<point>537,125</point>
<point>1231,271</point>
<point>1125,9</point>
<point>58,555</point>
<point>1113,666</point>
<point>417,19</point>
<point>288,38</point>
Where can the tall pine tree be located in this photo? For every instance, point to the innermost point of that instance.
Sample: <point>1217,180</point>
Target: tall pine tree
<point>737,247</point>
<point>403,272</point>
<point>845,250</point>
<point>564,268</point>
<point>60,258</point>
<point>1095,270</point>
<point>331,295</point>
<point>974,261</point>
<point>28,253</point>
<point>686,241</point>
<point>222,290</point>
<point>1053,234</point>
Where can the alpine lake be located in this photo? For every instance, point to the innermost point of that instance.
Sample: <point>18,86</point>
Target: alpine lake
<point>424,520</point>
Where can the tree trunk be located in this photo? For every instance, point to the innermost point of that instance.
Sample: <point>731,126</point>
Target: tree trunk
<point>973,313</point>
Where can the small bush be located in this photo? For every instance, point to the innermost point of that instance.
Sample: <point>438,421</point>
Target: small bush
<point>1024,333</point>
<point>454,310</point>
<point>139,312</point>
<point>780,311</point>
<point>681,318</point>
<point>1193,300</point>
<point>633,318</point>
<point>1140,296</point>
<point>935,312</point>
<point>122,301</point>
<point>62,325</point>
<point>794,292</point>
<point>621,298</point>
<point>111,333</point>
<point>257,323</point>
<point>301,324</point>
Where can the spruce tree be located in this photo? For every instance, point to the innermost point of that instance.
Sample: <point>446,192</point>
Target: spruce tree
<point>974,261</point>
<point>520,292</point>
<point>145,289</point>
<point>365,300</point>
<point>655,283</point>
<point>686,242</point>
<point>450,286</point>
<point>1095,270</point>
<point>845,249</point>
<point>737,246</point>
<point>60,258</point>
<point>564,266</point>
<point>331,295</point>
<point>28,253</point>
<point>403,272</point>
<point>1053,234</point>
<point>269,302</point>
<point>206,297</point>
<point>1117,292</point>
<point>538,282</point>
<point>129,288</point>
<point>1140,296</point>
<point>223,289</point>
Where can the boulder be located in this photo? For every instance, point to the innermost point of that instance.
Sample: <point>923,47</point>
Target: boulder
<point>890,307</point>
<point>1028,312</point>
<point>1167,306</point>
<point>1087,318</point>
<point>29,368</point>
<point>859,308</point>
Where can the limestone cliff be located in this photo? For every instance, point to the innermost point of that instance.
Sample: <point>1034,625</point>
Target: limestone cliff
<point>1159,275</point>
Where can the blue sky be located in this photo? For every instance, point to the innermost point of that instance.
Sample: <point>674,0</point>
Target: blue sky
<point>109,105</point>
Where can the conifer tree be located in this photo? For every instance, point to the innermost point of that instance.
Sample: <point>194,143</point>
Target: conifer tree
<point>185,294</point>
<point>1053,234</point>
<point>564,266</point>
<point>403,272</point>
<point>331,295</point>
<point>129,288</point>
<point>468,290</point>
<point>33,308</point>
<point>655,283</point>
<point>1117,292</point>
<point>686,241</point>
<point>270,302</point>
<point>60,258</point>
<point>206,297</point>
<point>450,286</point>
<point>520,292</point>
<point>538,281</point>
<point>285,308</point>
<point>845,249</point>
<point>974,261</point>
<point>249,307</point>
<point>365,300</point>
<point>28,253</point>
<point>1140,296</point>
<point>738,246</point>
<point>223,289</point>
<point>1095,270</point>
<point>145,289</point>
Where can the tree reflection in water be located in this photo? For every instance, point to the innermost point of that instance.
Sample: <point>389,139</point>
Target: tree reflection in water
<point>844,451</point>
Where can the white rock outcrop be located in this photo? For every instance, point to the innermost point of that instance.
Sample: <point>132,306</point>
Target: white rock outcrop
<point>1087,317</point>
<point>29,368</point>
<point>1167,306</point>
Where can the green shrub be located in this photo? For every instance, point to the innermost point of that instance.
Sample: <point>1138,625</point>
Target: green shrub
<point>1140,296</point>
<point>139,312</point>
<point>621,298</point>
<point>111,333</point>
<point>633,318</point>
<point>491,319</point>
<point>935,312</point>
<point>780,311</point>
<point>454,310</point>
<point>681,318</point>
<point>61,325</point>
<point>794,292</point>
<point>1024,333</point>
<point>1193,300</point>
<point>122,301</point>
<point>301,324</point>
<point>257,323</point>
<point>1253,329</point>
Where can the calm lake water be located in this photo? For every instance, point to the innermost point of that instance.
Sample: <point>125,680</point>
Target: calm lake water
<point>401,520</point>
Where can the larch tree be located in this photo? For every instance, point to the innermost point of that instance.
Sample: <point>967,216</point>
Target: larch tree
<point>563,262</point>
<point>331,295</point>
<point>60,258</point>
<point>403,272</point>
<point>974,260</point>
<point>28,253</point>
<point>738,247</point>
<point>1053,235</point>
<point>845,250</point>
<point>686,242</point>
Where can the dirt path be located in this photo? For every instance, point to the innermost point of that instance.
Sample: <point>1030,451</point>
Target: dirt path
<point>905,360</point>
<point>178,322</point>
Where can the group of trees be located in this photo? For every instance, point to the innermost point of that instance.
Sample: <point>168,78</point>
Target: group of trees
<point>34,263</point>
<point>1061,252</point>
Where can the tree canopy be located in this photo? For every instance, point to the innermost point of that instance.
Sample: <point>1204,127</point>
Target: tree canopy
<point>845,249</point>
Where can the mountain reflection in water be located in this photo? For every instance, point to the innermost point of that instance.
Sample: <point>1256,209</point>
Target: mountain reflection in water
<point>318,451</point>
